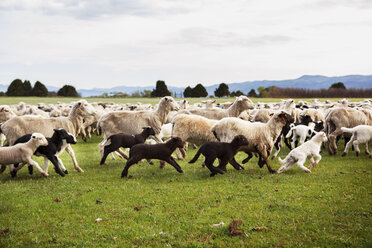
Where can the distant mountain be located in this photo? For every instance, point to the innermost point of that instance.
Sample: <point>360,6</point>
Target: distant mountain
<point>306,81</point>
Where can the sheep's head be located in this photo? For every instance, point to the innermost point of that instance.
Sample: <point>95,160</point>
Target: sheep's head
<point>40,139</point>
<point>85,108</point>
<point>284,118</point>
<point>169,103</point>
<point>245,102</point>
<point>177,141</point>
<point>320,137</point>
<point>64,135</point>
<point>6,113</point>
<point>148,130</point>
<point>240,140</point>
<point>305,119</point>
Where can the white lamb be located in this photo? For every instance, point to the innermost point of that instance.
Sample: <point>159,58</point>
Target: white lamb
<point>360,134</point>
<point>309,150</point>
<point>300,131</point>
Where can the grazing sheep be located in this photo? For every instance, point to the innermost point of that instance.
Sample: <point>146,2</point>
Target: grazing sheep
<point>56,145</point>
<point>195,129</point>
<point>222,150</point>
<point>343,117</point>
<point>240,104</point>
<point>360,134</point>
<point>116,141</point>
<point>22,125</point>
<point>298,155</point>
<point>260,136</point>
<point>161,151</point>
<point>22,153</point>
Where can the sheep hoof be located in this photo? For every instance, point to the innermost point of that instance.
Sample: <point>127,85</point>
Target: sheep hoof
<point>273,157</point>
<point>45,174</point>
<point>13,173</point>
<point>357,154</point>
<point>180,171</point>
<point>343,154</point>
<point>79,169</point>
<point>124,174</point>
<point>66,172</point>
<point>370,156</point>
<point>273,171</point>
<point>213,174</point>
<point>308,171</point>
<point>241,168</point>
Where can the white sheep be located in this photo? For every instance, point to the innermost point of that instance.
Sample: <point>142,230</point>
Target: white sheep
<point>22,153</point>
<point>360,134</point>
<point>260,136</point>
<point>298,155</point>
<point>300,131</point>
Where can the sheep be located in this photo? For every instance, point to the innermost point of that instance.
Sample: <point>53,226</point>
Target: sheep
<point>343,117</point>
<point>222,150</point>
<point>161,151</point>
<point>22,153</point>
<point>240,104</point>
<point>360,134</point>
<point>56,145</point>
<point>300,131</point>
<point>116,141</point>
<point>5,114</point>
<point>209,104</point>
<point>194,129</point>
<point>298,155</point>
<point>260,136</point>
<point>131,122</point>
<point>21,125</point>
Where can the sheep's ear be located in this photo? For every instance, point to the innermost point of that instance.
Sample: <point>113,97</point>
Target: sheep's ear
<point>213,101</point>
<point>2,109</point>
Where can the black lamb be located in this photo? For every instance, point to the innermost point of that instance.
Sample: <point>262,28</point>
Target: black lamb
<point>56,145</point>
<point>224,151</point>
<point>116,141</point>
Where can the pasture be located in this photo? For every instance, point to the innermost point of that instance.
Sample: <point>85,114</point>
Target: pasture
<point>155,207</point>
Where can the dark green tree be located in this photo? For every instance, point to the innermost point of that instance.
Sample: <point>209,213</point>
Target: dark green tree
<point>339,85</point>
<point>187,92</point>
<point>199,91</point>
<point>160,90</point>
<point>67,90</point>
<point>252,93</point>
<point>39,89</point>
<point>236,93</point>
<point>27,88</point>
<point>15,88</point>
<point>222,90</point>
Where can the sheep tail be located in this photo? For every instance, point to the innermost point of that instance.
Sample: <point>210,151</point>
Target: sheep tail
<point>195,157</point>
<point>347,130</point>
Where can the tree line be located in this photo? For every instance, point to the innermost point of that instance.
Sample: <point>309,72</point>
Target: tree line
<point>19,88</point>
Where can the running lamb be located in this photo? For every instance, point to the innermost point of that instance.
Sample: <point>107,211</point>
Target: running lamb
<point>307,150</point>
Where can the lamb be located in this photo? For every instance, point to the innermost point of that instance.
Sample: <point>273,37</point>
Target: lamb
<point>240,104</point>
<point>300,131</point>
<point>22,125</point>
<point>222,150</point>
<point>260,136</point>
<point>56,145</point>
<point>309,150</point>
<point>22,153</point>
<point>360,134</point>
<point>194,129</point>
<point>116,141</point>
<point>161,151</point>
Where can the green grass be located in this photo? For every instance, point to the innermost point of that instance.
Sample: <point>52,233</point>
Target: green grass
<point>331,207</point>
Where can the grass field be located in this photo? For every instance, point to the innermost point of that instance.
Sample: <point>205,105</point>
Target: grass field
<point>331,207</point>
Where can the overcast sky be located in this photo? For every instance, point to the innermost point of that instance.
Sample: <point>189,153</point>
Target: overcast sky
<point>106,43</point>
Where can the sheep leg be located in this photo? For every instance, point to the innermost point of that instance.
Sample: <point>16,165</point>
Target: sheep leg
<point>179,154</point>
<point>247,158</point>
<point>89,130</point>
<point>83,134</point>
<point>2,139</point>
<point>347,147</point>
<point>300,164</point>
<point>220,168</point>
<point>2,169</point>
<point>278,146</point>
<point>290,162</point>
<point>46,164</point>
<point>62,166</point>
<point>356,147</point>
<point>264,155</point>
<point>173,162</point>
<point>54,161</point>
<point>209,163</point>
<point>332,139</point>
<point>235,164</point>
<point>302,140</point>
<point>72,155</point>
<point>36,165</point>
<point>131,161</point>
<point>14,169</point>
<point>122,154</point>
<point>366,148</point>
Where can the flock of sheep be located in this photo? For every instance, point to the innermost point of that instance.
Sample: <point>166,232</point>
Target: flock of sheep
<point>263,125</point>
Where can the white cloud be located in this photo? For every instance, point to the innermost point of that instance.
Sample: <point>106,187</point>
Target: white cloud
<point>91,43</point>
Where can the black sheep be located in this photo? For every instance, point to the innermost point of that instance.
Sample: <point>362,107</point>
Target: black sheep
<point>116,141</point>
<point>224,151</point>
<point>56,144</point>
<point>161,151</point>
